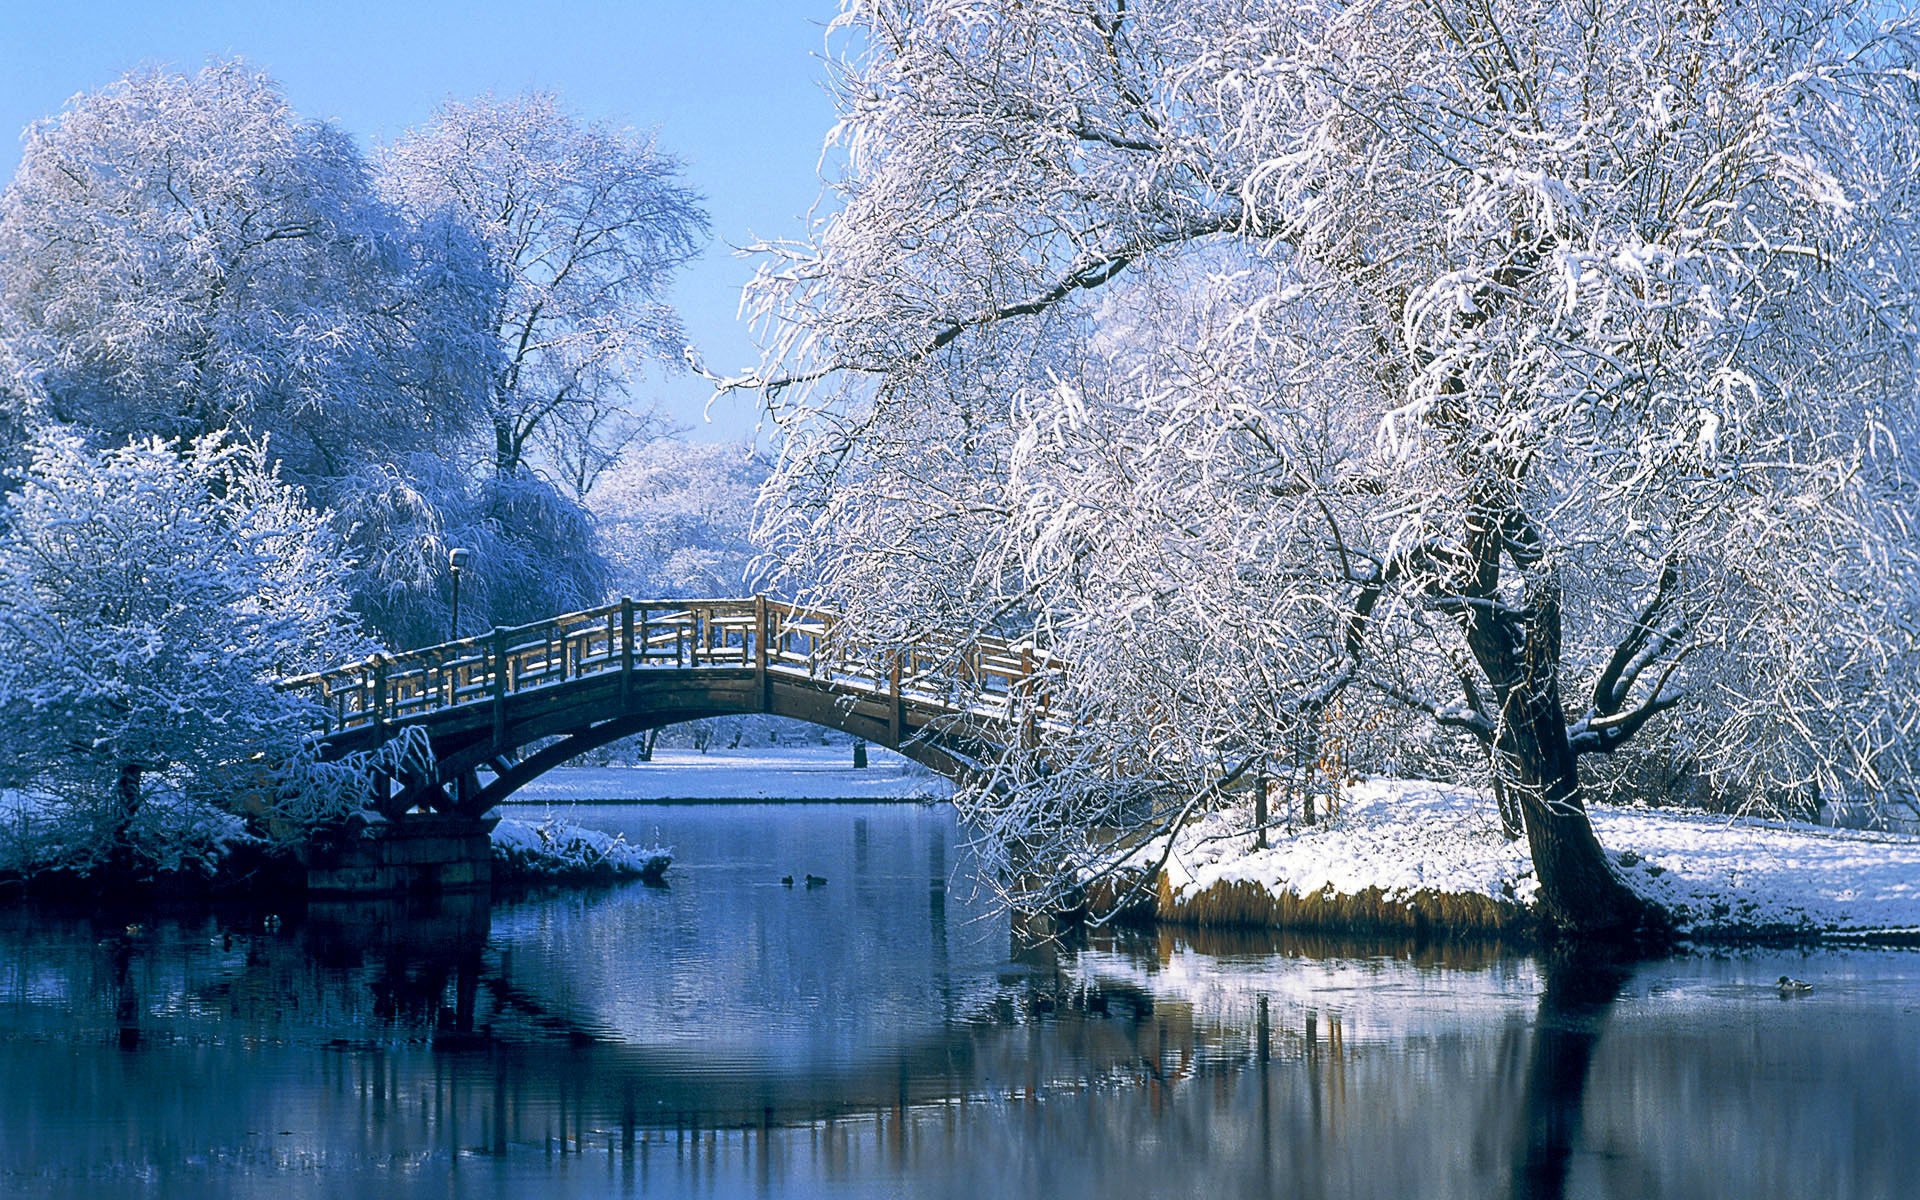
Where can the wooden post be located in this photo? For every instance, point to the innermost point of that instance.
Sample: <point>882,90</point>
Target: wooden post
<point>760,651</point>
<point>379,690</point>
<point>1029,736</point>
<point>499,653</point>
<point>1260,811</point>
<point>626,651</point>
<point>896,708</point>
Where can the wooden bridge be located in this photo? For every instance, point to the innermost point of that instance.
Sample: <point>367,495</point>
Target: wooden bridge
<point>501,708</point>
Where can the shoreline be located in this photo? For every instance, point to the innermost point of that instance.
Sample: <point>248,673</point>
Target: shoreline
<point>1396,858</point>
<point>1428,859</point>
<point>710,801</point>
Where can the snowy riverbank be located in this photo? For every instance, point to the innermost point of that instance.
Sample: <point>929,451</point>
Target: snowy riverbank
<point>1422,854</point>
<point>811,773</point>
<point>556,851</point>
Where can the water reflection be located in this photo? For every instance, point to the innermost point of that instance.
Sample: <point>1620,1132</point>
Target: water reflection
<point>885,1035</point>
<point>1581,986</point>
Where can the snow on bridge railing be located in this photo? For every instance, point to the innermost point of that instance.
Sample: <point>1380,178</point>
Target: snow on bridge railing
<point>982,675</point>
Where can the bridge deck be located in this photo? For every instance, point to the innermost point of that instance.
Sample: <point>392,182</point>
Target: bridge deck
<point>984,677</point>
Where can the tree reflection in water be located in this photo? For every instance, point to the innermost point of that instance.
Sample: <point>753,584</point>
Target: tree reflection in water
<point>1581,986</point>
<point>548,1046</point>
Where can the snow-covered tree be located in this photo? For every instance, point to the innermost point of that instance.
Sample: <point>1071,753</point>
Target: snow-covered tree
<point>1544,368</point>
<point>534,550</point>
<point>585,224</point>
<point>150,597</point>
<point>182,254</point>
<point>676,519</point>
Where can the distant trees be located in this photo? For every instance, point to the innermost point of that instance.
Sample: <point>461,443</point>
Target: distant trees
<point>1542,370</point>
<point>676,519</point>
<point>584,225</point>
<point>182,255</point>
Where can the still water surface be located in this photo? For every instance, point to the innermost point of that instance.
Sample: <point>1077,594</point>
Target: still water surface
<point>887,1034</point>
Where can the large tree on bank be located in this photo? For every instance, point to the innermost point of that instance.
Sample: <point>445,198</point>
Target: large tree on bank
<point>150,597</point>
<point>1544,368</point>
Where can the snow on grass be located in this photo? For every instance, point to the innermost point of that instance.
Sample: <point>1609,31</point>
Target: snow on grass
<point>1720,876</point>
<point>777,773</point>
<point>552,849</point>
<point>1401,837</point>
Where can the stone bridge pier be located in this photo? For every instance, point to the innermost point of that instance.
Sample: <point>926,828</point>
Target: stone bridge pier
<point>418,853</point>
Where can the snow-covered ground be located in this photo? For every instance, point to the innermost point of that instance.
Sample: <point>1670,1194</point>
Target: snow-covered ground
<point>1718,874</point>
<point>760,773</point>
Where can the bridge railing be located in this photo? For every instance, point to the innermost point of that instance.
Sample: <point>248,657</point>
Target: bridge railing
<point>982,675</point>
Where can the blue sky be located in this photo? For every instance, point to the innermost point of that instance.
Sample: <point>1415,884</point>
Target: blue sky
<point>734,89</point>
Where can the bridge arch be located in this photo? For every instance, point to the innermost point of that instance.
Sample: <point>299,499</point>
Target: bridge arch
<point>505,707</point>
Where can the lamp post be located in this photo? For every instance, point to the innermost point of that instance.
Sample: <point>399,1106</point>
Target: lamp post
<point>457,560</point>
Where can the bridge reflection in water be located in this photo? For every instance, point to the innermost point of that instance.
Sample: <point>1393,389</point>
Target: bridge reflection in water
<point>881,1035</point>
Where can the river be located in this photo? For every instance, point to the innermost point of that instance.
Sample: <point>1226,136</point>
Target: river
<point>886,1033</point>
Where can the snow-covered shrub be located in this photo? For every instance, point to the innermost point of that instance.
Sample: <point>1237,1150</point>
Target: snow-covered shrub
<point>552,850</point>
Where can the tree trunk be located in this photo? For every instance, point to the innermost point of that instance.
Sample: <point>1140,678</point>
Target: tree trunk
<point>1578,889</point>
<point>506,453</point>
<point>1518,649</point>
<point>126,792</point>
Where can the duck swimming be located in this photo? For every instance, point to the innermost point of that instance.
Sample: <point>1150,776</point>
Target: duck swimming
<point>1789,986</point>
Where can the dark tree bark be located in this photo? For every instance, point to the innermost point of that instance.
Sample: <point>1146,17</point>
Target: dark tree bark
<point>506,446</point>
<point>1517,647</point>
<point>126,793</point>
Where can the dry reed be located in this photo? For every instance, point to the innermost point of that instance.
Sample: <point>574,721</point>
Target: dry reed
<point>1425,913</point>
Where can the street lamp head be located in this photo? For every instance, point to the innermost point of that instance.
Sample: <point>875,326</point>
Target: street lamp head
<point>459,557</point>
